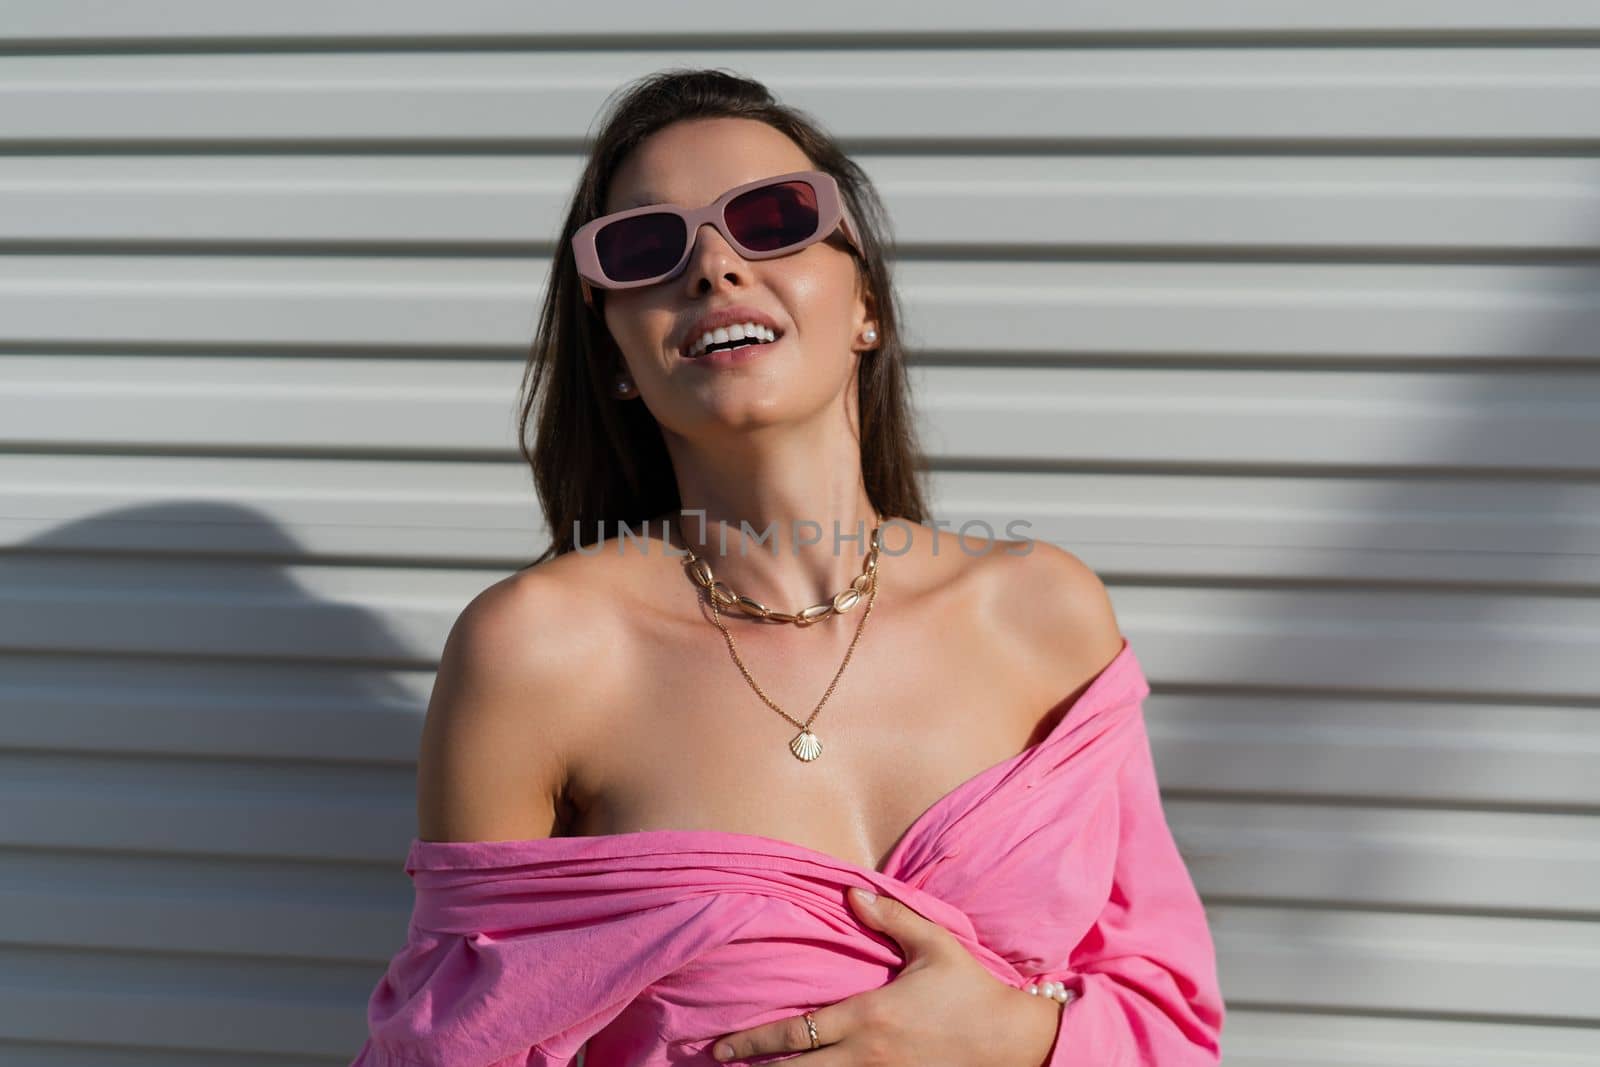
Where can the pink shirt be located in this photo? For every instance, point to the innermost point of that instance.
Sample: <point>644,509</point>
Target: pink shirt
<point>1054,864</point>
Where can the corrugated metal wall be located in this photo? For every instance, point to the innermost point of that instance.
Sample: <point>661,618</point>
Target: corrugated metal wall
<point>1283,317</point>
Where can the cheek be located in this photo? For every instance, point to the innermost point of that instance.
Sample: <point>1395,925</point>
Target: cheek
<point>636,331</point>
<point>821,303</point>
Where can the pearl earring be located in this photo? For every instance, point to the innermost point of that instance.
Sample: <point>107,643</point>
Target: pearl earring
<point>871,335</point>
<point>622,385</point>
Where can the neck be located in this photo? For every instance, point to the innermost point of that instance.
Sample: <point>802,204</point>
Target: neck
<point>778,511</point>
<point>787,562</point>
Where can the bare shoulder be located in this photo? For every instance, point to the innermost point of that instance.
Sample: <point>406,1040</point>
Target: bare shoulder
<point>1060,606</point>
<point>508,705</point>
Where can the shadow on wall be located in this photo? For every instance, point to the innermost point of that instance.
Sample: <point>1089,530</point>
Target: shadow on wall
<point>210,744</point>
<point>1379,781</point>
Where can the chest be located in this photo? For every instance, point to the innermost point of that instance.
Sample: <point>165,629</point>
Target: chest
<point>690,744</point>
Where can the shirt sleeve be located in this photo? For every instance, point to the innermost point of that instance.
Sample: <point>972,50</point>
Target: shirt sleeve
<point>1145,974</point>
<point>442,1002</point>
<point>485,994</point>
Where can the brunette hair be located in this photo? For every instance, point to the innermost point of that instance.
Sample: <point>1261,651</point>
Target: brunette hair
<point>599,463</point>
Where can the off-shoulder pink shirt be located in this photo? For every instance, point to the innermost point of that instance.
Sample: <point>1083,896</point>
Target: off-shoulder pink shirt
<point>1054,864</point>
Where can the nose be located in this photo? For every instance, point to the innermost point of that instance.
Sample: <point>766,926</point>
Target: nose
<point>711,259</point>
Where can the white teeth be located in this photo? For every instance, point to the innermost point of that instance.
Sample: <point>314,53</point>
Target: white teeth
<point>736,332</point>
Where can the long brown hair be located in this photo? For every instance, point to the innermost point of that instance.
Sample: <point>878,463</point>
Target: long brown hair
<point>597,463</point>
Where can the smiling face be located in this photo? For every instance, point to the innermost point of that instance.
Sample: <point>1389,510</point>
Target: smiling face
<point>813,296</point>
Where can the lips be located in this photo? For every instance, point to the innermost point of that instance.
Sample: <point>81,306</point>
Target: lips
<point>752,339</point>
<point>725,316</point>
<point>735,355</point>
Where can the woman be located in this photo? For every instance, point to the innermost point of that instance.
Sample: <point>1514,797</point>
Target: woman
<point>622,849</point>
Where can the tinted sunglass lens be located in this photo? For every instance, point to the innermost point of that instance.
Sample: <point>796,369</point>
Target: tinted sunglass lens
<point>774,216</point>
<point>639,247</point>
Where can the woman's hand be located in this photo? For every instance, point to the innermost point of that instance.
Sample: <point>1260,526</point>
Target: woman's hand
<point>944,1009</point>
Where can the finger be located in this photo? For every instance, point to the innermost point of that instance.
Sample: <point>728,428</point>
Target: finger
<point>917,934</point>
<point>788,1034</point>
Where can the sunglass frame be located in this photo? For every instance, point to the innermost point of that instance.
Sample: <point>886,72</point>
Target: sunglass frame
<point>831,215</point>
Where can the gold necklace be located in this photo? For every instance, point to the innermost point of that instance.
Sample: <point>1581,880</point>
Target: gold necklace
<point>805,745</point>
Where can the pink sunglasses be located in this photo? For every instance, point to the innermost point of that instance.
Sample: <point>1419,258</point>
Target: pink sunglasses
<point>760,219</point>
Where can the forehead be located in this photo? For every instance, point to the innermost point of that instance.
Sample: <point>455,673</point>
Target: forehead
<point>693,162</point>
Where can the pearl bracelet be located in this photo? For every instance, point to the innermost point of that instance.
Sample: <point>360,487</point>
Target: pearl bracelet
<point>1056,990</point>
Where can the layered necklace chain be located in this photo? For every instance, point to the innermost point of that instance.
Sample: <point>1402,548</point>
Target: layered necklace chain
<point>805,745</point>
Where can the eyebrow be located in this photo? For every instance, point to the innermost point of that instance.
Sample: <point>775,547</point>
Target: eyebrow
<point>644,200</point>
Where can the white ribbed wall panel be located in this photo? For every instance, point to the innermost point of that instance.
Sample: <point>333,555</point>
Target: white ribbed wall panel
<point>1286,318</point>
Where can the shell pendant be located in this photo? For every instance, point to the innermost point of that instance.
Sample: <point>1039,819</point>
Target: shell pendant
<point>806,745</point>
